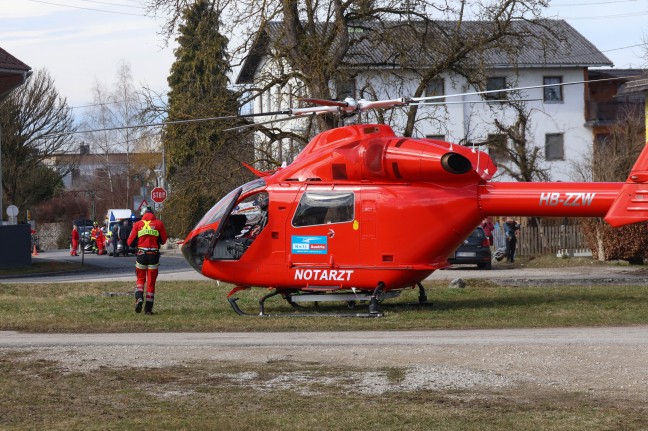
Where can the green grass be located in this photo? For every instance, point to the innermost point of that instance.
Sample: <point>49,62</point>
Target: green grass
<point>202,306</point>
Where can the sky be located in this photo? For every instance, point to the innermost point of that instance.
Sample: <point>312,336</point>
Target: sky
<point>82,42</point>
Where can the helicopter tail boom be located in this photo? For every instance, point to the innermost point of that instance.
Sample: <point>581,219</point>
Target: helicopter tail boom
<point>556,199</point>
<point>619,203</point>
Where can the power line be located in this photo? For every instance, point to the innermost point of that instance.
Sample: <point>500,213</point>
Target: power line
<point>592,3</point>
<point>113,4</point>
<point>86,8</point>
<point>622,15</point>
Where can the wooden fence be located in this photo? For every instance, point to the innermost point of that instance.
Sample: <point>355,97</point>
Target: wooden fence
<point>535,241</point>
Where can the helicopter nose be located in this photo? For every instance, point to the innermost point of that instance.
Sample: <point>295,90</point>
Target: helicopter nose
<point>195,248</point>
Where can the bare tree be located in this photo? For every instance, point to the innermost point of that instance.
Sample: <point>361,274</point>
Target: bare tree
<point>521,158</point>
<point>35,122</point>
<point>112,113</point>
<point>315,44</point>
<point>611,159</point>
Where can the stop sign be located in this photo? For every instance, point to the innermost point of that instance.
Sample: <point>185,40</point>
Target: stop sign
<point>158,195</point>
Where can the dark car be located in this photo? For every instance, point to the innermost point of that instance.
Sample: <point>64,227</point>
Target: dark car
<point>474,250</point>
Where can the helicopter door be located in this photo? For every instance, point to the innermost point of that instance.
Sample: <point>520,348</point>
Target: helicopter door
<point>323,232</point>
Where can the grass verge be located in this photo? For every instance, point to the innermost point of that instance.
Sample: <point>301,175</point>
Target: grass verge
<point>202,306</point>
<point>47,267</point>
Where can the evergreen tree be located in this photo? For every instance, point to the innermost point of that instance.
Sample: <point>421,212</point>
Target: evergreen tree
<point>203,162</point>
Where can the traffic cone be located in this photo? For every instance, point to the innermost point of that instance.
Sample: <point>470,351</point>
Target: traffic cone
<point>34,251</point>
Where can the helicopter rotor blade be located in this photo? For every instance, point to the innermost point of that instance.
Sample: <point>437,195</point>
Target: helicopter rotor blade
<point>349,105</point>
<point>276,120</point>
<point>314,110</point>
<point>506,90</point>
<point>474,101</point>
<point>324,102</point>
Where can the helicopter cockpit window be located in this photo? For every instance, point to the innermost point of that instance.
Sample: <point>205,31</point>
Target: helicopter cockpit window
<point>317,208</point>
<point>242,226</point>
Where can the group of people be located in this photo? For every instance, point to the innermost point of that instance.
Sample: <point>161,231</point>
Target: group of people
<point>120,233</point>
<point>97,236</point>
<point>510,227</point>
<point>147,234</point>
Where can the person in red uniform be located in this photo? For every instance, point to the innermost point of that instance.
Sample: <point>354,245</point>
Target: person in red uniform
<point>148,233</point>
<point>75,241</point>
<point>100,239</point>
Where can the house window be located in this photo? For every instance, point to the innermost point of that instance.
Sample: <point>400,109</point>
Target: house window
<point>496,83</point>
<point>278,98</point>
<point>436,137</point>
<point>497,148</point>
<point>345,87</point>
<point>436,87</point>
<point>554,146</point>
<point>260,102</point>
<point>269,100</point>
<point>553,93</point>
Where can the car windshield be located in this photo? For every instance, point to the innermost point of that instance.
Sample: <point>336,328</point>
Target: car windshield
<point>478,233</point>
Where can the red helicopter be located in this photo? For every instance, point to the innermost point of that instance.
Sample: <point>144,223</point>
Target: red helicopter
<point>337,224</point>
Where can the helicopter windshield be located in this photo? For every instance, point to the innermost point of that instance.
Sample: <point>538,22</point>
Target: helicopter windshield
<point>241,226</point>
<point>204,237</point>
<point>217,211</point>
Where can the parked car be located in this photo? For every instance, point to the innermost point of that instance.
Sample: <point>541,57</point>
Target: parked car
<point>474,250</point>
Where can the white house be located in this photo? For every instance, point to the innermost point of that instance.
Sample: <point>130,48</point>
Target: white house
<point>555,103</point>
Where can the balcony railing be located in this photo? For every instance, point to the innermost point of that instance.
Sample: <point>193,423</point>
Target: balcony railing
<point>610,112</point>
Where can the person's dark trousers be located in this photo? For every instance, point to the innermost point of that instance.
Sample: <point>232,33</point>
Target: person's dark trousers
<point>510,249</point>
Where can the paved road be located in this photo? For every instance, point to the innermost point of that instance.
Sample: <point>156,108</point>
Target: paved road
<point>173,267</point>
<point>637,335</point>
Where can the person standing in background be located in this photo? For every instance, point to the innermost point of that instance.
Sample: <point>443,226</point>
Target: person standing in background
<point>488,227</point>
<point>75,241</point>
<point>510,231</point>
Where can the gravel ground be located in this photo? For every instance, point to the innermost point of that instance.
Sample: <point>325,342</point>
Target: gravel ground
<point>609,362</point>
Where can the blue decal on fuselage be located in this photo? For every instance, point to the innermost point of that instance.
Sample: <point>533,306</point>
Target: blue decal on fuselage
<point>309,244</point>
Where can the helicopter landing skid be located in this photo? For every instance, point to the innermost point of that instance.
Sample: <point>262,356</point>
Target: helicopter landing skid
<point>422,300</point>
<point>295,298</point>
